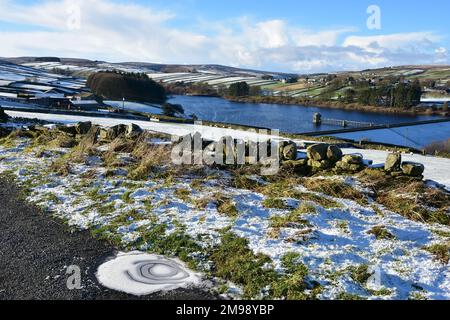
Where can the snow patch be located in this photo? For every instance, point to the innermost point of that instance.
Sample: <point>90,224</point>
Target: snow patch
<point>142,274</point>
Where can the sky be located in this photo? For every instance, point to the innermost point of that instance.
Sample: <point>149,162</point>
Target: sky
<point>284,35</point>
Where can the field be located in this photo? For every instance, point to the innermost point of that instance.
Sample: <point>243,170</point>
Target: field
<point>309,86</point>
<point>328,236</point>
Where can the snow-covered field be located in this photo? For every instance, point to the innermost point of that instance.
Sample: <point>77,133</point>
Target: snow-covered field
<point>211,79</point>
<point>211,133</point>
<point>25,79</point>
<point>436,169</point>
<point>431,99</point>
<point>331,241</point>
<point>134,106</point>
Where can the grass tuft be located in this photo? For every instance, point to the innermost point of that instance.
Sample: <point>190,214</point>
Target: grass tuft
<point>381,233</point>
<point>440,251</point>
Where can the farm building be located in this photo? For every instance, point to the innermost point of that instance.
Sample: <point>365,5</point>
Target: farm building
<point>85,105</point>
<point>51,101</point>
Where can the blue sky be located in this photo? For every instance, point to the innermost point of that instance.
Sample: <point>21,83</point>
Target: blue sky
<point>397,16</point>
<point>285,35</point>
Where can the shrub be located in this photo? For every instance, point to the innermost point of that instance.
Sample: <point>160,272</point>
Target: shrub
<point>439,148</point>
<point>239,89</point>
<point>171,110</point>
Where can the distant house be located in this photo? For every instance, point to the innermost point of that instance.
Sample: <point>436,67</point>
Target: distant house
<point>85,105</point>
<point>50,101</point>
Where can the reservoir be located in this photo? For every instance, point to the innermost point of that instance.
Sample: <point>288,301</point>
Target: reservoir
<point>298,119</point>
<point>286,118</point>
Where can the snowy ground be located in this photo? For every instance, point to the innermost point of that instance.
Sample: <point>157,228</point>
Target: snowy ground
<point>143,274</point>
<point>211,133</point>
<point>331,242</point>
<point>436,169</point>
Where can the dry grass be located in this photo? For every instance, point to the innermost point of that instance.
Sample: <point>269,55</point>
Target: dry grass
<point>10,140</point>
<point>439,148</point>
<point>245,182</point>
<point>381,233</point>
<point>53,139</point>
<point>155,160</point>
<point>226,206</point>
<point>408,196</point>
<point>291,220</point>
<point>306,208</point>
<point>202,203</point>
<point>286,189</point>
<point>183,194</point>
<point>61,167</point>
<point>86,147</point>
<point>440,251</point>
<point>151,160</point>
<point>122,144</point>
<point>336,189</point>
<point>275,203</point>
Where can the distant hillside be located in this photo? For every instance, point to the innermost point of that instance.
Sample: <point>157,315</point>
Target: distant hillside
<point>213,68</point>
<point>132,87</point>
<point>69,61</point>
<point>165,68</point>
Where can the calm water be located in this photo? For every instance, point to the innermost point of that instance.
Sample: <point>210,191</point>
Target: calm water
<point>415,136</point>
<point>291,119</point>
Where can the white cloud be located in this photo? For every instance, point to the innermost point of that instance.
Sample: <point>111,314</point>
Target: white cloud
<point>121,31</point>
<point>392,41</point>
<point>270,34</point>
<point>311,38</point>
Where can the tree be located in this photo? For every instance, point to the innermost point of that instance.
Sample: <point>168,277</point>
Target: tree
<point>388,94</point>
<point>293,79</point>
<point>222,90</point>
<point>171,110</point>
<point>239,89</point>
<point>267,77</point>
<point>364,96</point>
<point>414,94</point>
<point>115,85</point>
<point>255,91</point>
<point>203,88</point>
<point>3,115</point>
<point>399,95</point>
<point>350,95</point>
<point>429,83</point>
